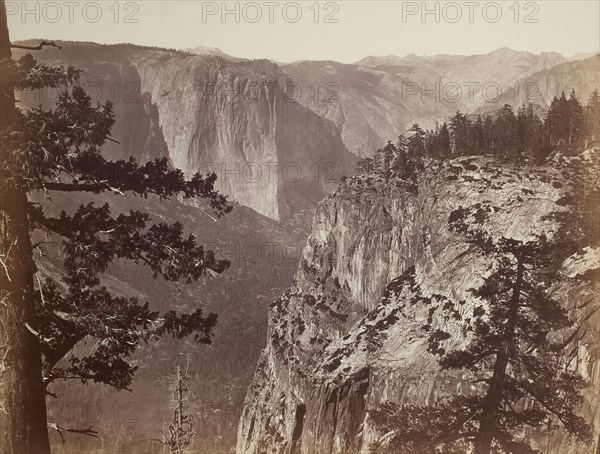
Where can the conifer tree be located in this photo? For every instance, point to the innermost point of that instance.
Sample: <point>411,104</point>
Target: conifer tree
<point>365,166</point>
<point>416,142</point>
<point>557,120</point>
<point>576,121</point>
<point>400,161</point>
<point>459,130</point>
<point>530,132</point>
<point>592,117</point>
<point>60,150</point>
<point>506,133</point>
<point>524,381</point>
<point>488,135</point>
<point>444,141</point>
<point>477,137</point>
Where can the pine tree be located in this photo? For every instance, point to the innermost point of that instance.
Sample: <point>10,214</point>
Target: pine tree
<point>365,166</point>
<point>488,135</point>
<point>459,134</point>
<point>527,383</point>
<point>178,438</point>
<point>576,122</point>
<point>552,122</point>
<point>400,161</point>
<point>22,396</point>
<point>381,162</point>
<point>389,156</point>
<point>444,141</point>
<point>59,150</point>
<point>477,137</point>
<point>530,132</point>
<point>511,343</point>
<point>510,351</point>
<point>506,133</point>
<point>557,120</point>
<point>592,117</point>
<point>431,141</point>
<point>416,142</point>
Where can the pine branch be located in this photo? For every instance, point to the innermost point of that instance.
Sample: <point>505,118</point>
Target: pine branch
<point>542,400</point>
<point>76,187</point>
<point>96,238</point>
<point>88,432</point>
<point>38,47</point>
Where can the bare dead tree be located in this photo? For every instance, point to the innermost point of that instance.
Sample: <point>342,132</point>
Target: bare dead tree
<point>178,437</point>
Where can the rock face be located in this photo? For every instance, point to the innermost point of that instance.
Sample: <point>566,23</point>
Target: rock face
<point>352,332</point>
<point>208,113</point>
<point>235,118</point>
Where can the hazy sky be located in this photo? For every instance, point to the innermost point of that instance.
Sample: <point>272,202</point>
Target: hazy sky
<point>344,30</point>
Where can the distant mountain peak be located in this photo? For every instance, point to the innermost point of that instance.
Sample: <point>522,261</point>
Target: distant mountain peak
<point>211,51</point>
<point>505,50</point>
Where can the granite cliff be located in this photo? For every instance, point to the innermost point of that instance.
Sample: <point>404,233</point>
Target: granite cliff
<point>210,113</point>
<point>353,330</point>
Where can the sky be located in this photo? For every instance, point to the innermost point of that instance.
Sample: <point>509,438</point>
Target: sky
<point>344,31</point>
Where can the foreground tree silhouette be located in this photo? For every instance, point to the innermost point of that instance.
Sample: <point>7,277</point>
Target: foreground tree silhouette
<point>512,352</point>
<point>512,344</point>
<point>59,149</point>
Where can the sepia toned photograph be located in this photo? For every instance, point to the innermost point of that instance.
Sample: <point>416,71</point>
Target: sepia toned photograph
<point>299,227</point>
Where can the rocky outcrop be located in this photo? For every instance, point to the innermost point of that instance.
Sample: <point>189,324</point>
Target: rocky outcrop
<point>209,113</point>
<point>355,329</point>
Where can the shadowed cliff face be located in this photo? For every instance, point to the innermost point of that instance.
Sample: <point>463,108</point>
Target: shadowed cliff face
<point>352,332</point>
<point>211,114</point>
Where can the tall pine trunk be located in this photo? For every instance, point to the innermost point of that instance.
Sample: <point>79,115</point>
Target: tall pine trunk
<point>495,393</point>
<point>23,423</point>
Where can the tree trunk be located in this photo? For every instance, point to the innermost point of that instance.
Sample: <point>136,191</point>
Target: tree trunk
<point>495,393</point>
<point>23,424</point>
<point>493,400</point>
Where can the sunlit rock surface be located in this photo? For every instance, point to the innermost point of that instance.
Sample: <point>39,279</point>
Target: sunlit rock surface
<point>352,332</point>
